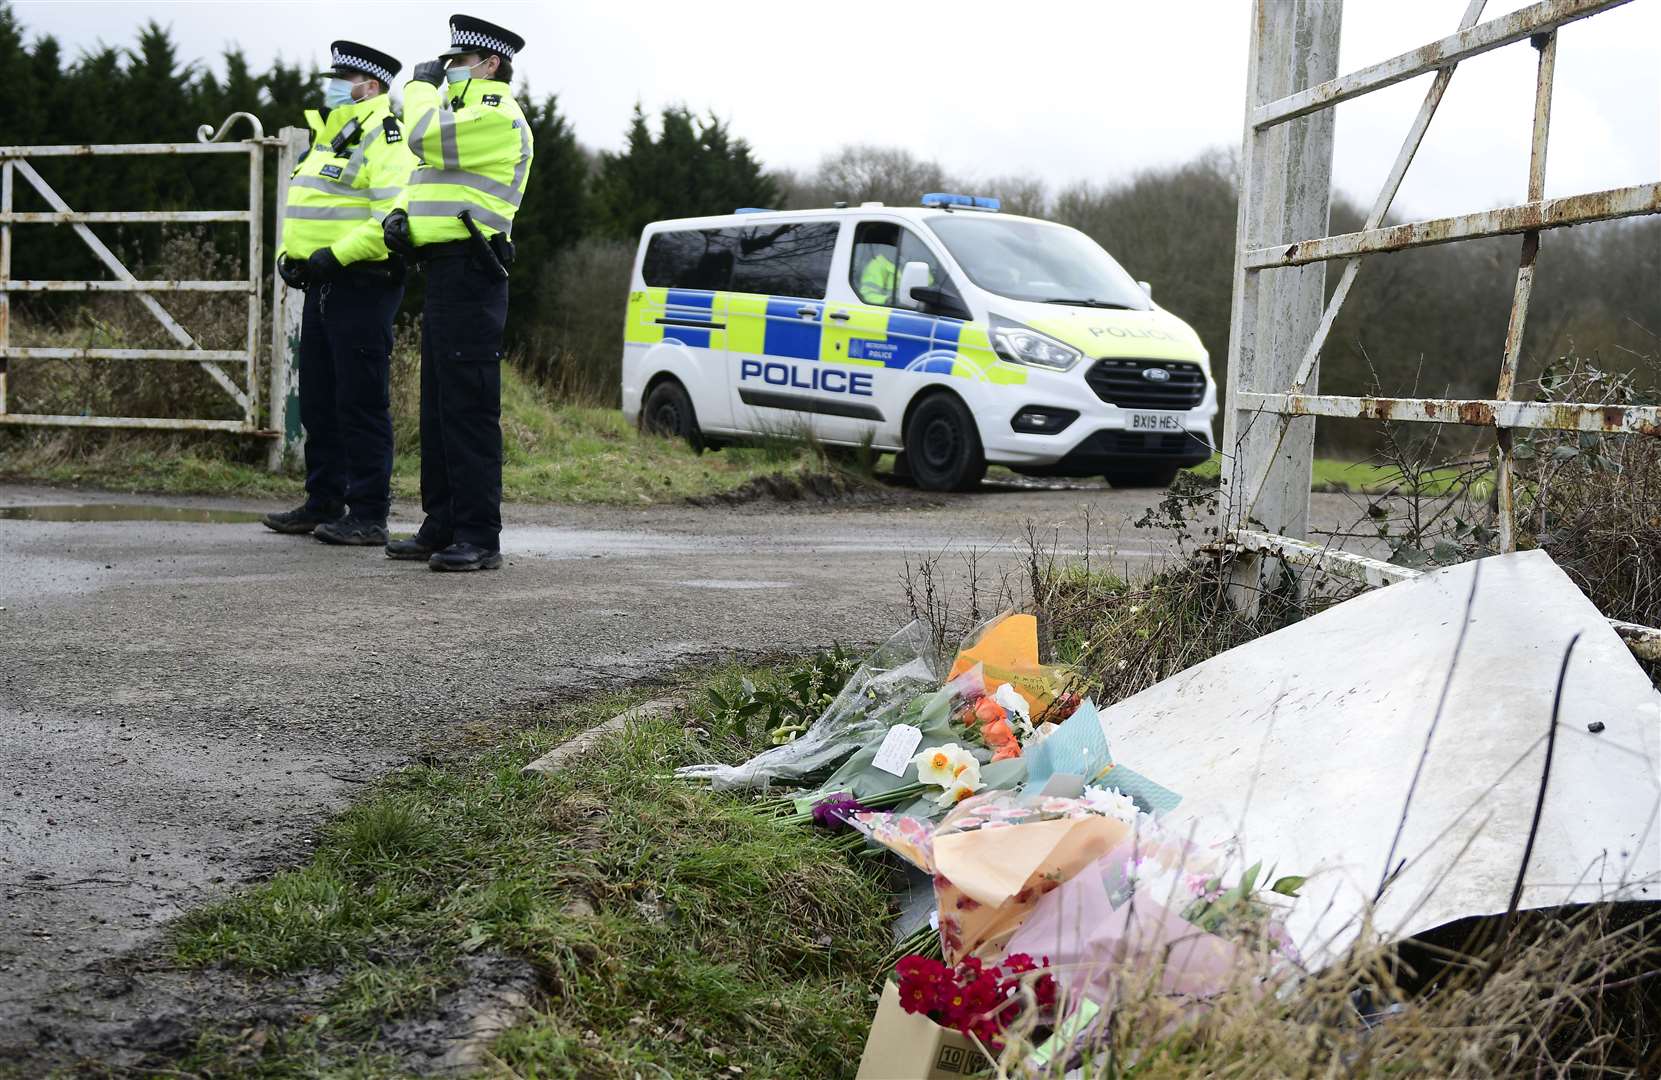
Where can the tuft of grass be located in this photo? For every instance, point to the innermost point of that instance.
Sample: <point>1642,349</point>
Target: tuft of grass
<point>673,929</point>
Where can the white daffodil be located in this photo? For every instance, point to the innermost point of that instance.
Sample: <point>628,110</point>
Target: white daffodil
<point>940,764</point>
<point>966,770</point>
<point>960,789</point>
<point>1111,802</point>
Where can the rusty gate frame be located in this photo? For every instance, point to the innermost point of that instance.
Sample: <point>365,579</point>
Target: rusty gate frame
<point>1280,318</point>
<point>282,428</point>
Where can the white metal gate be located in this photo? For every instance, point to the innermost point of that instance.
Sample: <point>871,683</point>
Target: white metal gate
<point>1279,318</point>
<point>234,371</point>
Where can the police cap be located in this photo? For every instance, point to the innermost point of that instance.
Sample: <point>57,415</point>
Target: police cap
<point>470,35</point>
<point>351,56</point>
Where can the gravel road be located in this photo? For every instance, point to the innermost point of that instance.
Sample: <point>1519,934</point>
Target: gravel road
<point>181,703</point>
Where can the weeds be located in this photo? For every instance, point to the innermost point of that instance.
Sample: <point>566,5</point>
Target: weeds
<point>782,707</point>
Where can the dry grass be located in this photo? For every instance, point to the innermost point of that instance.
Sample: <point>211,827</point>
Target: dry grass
<point>1568,993</point>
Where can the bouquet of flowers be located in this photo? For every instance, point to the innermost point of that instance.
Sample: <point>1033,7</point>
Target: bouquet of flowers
<point>971,997</point>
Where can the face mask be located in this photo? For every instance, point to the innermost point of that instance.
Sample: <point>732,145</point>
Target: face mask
<point>337,92</point>
<point>459,74</point>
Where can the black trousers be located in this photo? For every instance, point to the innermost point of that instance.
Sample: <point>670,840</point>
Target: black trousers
<point>461,404</point>
<point>345,403</point>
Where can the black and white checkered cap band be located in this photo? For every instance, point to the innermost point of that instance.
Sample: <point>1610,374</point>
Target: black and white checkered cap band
<point>474,39</point>
<point>360,64</point>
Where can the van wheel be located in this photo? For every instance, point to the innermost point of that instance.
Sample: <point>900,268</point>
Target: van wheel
<point>1141,475</point>
<point>667,411</point>
<point>942,445</point>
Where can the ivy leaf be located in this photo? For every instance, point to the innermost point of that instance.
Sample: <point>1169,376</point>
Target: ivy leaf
<point>1288,885</point>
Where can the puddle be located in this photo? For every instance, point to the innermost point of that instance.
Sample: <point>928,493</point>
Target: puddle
<point>126,512</point>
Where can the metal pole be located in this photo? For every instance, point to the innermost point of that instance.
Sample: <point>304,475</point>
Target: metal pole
<point>5,275</point>
<point>1505,477</point>
<point>256,223</point>
<point>286,313</point>
<point>1286,181</point>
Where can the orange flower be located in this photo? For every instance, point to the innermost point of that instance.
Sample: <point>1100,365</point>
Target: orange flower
<point>997,733</point>
<point>987,711</point>
<point>1007,750</point>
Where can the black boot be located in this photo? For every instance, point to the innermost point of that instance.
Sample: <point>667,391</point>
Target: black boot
<point>465,556</point>
<point>354,531</point>
<point>412,548</point>
<point>301,520</point>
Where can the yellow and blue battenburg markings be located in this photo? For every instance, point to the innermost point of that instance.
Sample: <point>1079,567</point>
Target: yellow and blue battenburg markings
<point>794,329</point>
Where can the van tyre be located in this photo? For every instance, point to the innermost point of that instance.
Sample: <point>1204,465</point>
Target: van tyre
<point>942,445</point>
<point>1141,475</point>
<point>668,411</point>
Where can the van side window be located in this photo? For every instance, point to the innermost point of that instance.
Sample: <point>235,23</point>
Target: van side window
<point>881,248</point>
<point>772,260</point>
<point>785,260</point>
<point>691,259</point>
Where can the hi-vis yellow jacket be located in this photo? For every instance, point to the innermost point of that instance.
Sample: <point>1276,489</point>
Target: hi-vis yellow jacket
<point>475,150</point>
<point>337,197</point>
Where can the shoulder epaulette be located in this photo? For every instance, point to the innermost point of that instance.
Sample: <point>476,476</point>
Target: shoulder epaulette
<point>390,130</point>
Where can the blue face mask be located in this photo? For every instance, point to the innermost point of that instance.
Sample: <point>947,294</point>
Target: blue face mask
<point>337,92</point>
<point>458,74</point>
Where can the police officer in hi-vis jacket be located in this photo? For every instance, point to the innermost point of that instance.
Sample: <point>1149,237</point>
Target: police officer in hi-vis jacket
<point>455,218</point>
<point>348,179</point>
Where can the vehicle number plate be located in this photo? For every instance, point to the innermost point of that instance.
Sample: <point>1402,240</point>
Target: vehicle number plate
<point>1156,421</point>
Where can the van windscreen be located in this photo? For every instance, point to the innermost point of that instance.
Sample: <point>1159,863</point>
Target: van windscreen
<point>791,259</point>
<point>1034,260</point>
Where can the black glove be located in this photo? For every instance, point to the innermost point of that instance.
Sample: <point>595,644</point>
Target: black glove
<point>293,271</point>
<point>395,231</point>
<point>429,71</point>
<point>323,266</point>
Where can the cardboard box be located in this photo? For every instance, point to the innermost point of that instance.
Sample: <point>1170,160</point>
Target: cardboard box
<point>904,1046</point>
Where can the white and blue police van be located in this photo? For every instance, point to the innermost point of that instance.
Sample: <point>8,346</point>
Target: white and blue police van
<point>950,334</point>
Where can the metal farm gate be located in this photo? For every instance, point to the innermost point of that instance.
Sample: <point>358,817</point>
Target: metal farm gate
<point>1280,319</point>
<point>233,370</point>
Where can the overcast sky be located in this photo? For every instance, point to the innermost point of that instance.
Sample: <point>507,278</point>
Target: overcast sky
<point>1095,89</point>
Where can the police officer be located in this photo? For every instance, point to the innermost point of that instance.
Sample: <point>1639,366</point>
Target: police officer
<point>475,147</point>
<point>332,247</point>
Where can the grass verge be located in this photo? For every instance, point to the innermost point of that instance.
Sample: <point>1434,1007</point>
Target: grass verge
<point>673,931</point>
<point>552,452</point>
<point>1363,477</point>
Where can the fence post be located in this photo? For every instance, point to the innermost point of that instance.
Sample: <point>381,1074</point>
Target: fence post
<point>1285,194</point>
<point>287,309</point>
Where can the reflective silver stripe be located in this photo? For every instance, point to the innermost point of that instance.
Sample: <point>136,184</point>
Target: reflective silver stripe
<point>524,156</point>
<point>328,213</point>
<point>449,209</point>
<point>510,195</point>
<point>447,139</point>
<point>356,163</point>
<point>421,127</point>
<point>344,191</point>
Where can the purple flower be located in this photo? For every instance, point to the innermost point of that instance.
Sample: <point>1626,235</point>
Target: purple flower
<point>832,812</point>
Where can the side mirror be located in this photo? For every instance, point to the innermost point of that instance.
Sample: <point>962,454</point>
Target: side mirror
<point>1146,288</point>
<point>914,275</point>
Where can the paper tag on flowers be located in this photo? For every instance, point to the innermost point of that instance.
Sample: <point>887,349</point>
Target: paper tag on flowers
<point>894,755</point>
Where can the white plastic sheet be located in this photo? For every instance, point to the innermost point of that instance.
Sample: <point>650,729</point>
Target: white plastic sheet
<point>1306,740</point>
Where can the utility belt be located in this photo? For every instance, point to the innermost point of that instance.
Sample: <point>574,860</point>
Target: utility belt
<point>385,272</point>
<point>500,246</point>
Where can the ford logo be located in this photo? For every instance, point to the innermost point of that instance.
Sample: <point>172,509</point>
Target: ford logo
<point>1156,374</point>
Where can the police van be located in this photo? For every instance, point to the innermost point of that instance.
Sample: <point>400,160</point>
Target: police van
<point>949,333</point>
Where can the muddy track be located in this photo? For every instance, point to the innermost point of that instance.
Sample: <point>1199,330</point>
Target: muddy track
<point>182,703</point>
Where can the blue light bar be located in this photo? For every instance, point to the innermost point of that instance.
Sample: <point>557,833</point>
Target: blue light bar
<point>968,202</point>
<point>754,210</point>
